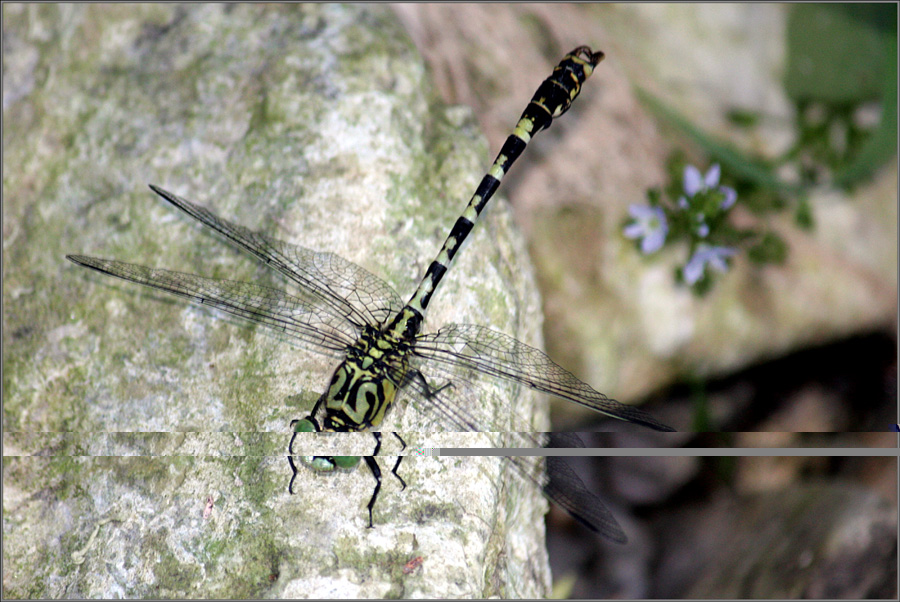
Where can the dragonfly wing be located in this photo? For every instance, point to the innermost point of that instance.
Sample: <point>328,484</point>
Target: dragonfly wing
<point>564,439</point>
<point>564,487</point>
<point>462,399</point>
<point>348,289</point>
<point>490,352</point>
<point>567,489</point>
<point>425,389</point>
<point>259,304</point>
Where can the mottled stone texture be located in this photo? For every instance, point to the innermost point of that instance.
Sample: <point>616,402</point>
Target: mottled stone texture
<point>314,124</point>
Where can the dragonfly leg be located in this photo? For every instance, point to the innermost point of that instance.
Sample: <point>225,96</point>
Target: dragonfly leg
<point>291,459</point>
<point>294,475</point>
<point>294,436</point>
<point>428,389</point>
<point>377,443</point>
<point>376,472</point>
<point>400,439</point>
<point>399,459</point>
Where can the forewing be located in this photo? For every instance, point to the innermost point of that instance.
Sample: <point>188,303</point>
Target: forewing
<point>343,287</point>
<point>260,304</point>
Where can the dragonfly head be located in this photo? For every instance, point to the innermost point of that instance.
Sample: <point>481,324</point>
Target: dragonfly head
<point>320,463</point>
<point>306,425</point>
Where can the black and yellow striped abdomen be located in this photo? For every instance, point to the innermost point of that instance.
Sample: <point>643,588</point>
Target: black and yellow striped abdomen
<point>553,98</point>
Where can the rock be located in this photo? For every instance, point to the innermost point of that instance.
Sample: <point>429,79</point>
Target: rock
<point>315,125</point>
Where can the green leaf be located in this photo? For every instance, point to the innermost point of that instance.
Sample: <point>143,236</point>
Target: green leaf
<point>882,145</point>
<point>837,53</point>
<point>734,162</point>
<point>743,118</point>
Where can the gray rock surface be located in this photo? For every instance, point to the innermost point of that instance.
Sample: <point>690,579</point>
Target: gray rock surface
<point>842,545</point>
<point>316,125</point>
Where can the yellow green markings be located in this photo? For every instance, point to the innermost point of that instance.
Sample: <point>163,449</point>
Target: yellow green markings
<point>497,169</point>
<point>470,213</point>
<point>523,130</point>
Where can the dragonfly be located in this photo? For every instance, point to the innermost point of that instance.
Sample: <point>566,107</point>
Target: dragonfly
<point>340,308</point>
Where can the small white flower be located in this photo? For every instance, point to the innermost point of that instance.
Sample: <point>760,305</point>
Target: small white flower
<point>713,256</point>
<point>695,183</point>
<point>650,225</point>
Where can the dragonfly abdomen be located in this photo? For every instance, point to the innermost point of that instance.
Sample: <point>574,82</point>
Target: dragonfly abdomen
<point>553,98</point>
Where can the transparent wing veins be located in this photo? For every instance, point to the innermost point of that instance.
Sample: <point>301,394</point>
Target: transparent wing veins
<point>347,289</point>
<point>484,350</point>
<point>259,304</point>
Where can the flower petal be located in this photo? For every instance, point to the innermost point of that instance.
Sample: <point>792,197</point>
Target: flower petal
<point>641,211</point>
<point>693,181</point>
<point>635,230</point>
<point>653,242</point>
<point>711,179</point>
<point>694,269</point>
<point>730,197</point>
<point>715,257</point>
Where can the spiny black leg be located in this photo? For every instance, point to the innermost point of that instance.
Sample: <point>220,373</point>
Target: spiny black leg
<point>400,439</point>
<point>429,392</point>
<point>399,459</point>
<point>294,436</point>
<point>291,459</point>
<point>293,476</point>
<point>376,472</point>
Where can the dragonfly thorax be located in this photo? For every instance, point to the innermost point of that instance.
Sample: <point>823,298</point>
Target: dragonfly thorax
<point>364,385</point>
